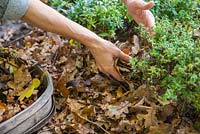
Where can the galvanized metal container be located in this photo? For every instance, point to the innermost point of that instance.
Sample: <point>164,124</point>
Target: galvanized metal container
<point>35,116</point>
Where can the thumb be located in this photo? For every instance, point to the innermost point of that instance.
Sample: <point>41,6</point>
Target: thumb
<point>147,5</point>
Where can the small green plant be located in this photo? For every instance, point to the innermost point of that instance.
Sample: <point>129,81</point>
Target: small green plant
<point>59,5</point>
<point>102,16</point>
<point>173,62</point>
<point>181,9</point>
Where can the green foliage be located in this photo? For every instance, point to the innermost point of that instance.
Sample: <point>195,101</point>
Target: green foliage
<point>181,9</point>
<point>197,125</point>
<point>59,5</point>
<point>173,62</point>
<point>102,16</point>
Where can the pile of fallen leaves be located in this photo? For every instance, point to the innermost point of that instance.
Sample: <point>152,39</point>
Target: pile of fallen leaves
<point>87,101</point>
<point>95,104</point>
<point>17,84</point>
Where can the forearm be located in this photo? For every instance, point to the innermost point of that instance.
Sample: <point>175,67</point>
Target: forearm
<point>50,20</point>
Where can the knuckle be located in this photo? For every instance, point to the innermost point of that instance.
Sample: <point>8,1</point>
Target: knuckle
<point>118,52</point>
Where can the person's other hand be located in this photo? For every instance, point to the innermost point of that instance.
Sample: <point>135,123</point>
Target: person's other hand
<point>104,55</point>
<point>139,10</point>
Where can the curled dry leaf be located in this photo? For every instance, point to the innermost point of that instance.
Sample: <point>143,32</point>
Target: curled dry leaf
<point>2,108</point>
<point>160,129</point>
<point>88,111</point>
<point>131,47</point>
<point>74,105</point>
<point>196,33</point>
<point>150,118</point>
<point>135,49</point>
<point>81,129</point>
<point>22,77</point>
<point>125,126</point>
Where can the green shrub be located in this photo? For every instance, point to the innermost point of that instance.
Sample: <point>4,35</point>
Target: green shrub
<point>173,61</point>
<point>102,16</point>
<point>181,9</point>
<point>59,5</point>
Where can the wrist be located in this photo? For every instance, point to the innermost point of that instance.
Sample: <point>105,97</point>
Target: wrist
<point>96,44</point>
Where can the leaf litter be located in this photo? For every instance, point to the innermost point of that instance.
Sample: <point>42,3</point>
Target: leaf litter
<point>18,86</point>
<point>87,101</point>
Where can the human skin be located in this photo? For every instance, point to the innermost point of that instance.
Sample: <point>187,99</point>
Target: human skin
<point>139,10</point>
<point>50,20</point>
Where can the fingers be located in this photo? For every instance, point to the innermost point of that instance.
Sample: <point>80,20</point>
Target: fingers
<point>151,19</point>
<point>115,74</point>
<point>111,72</point>
<point>147,5</point>
<point>124,56</point>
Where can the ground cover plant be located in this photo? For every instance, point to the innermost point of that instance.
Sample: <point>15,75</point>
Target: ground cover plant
<point>102,16</point>
<point>173,60</point>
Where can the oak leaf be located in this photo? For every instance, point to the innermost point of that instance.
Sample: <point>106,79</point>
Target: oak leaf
<point>118,111</point>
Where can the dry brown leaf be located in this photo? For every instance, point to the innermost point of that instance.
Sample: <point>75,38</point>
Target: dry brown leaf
<point>119,92</point>
<point>162,101</point>
<point>143,91</point>
<point>67,75</point>
<point>22,77</point>
<point>160,129</point>
<point>99,81</point>
<point>103,122</point>
<point>88,111</point>
<point>166,111</point>
<point>125,126</point>
<point>135,49</point>
<point>2,108</point>
<point>56,41</point>
<point>81,129</point>
<point>75,106</point>
<point>107,96</point>
<point>4,78</point>
<point>150,118</point>
<point>186,130</point>
<point>79,62</point>
<point>126,50</point>
<point>141,106</point>
<point>118,110</point>
<point>196,32</point>
<point>61,86</point>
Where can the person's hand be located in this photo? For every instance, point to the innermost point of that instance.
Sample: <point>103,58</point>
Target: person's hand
<point>104,55</point>
<point>139,10</point>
